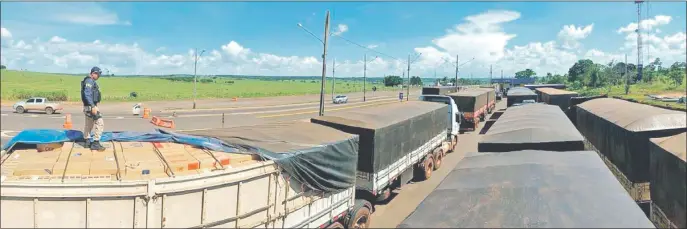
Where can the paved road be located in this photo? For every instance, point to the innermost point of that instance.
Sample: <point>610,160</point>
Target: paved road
<point>118,116</point>
<point>406,200</point>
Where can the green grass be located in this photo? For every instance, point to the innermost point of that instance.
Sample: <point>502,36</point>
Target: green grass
<point>639,91</point>
<point>19,85</point>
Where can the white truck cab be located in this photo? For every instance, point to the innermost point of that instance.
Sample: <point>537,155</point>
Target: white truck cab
<point>454,114</point>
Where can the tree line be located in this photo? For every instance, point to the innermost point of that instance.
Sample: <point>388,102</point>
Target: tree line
<point>586,73</point>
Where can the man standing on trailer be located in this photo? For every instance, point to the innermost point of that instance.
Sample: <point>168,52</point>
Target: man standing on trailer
<point>90,96</point>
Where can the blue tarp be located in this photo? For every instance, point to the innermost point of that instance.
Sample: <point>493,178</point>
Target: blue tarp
<point>44,136</point>
<point>328,167</point>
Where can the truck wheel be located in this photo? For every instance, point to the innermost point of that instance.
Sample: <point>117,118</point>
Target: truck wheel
<point>49,110</point>
<point>454,143</point>
<point>426,168</point>
<point>438,157</point>
<point>361,218</point>
<point>336,225</point>
<point>20,110</point>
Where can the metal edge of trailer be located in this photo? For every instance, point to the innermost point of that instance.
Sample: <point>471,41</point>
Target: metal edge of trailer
<point>189,201</point>
<point>376,182</point>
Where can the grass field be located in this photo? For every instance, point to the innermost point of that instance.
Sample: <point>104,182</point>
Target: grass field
<point>638,92</point>
<point>17,85</point>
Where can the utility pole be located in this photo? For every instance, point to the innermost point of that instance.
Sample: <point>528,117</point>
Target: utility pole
<point>324,62</point>
<point>333,76</point>
<point>490,74</point>
<point>627,78</point>
<point>364,76</point>
<point>456,83</point>
<point>408,89</point>
<point>195,78</point>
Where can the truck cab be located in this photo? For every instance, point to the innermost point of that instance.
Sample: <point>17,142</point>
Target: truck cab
<point>454,116</point>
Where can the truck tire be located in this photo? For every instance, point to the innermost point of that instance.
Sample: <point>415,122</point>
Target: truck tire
<point>20,110</point>
<point>360,218</point>
<point>383,196</point>
<point>438,158</point>
<point>454,143</point>
<point>425,168</point>
<point>49,110</point>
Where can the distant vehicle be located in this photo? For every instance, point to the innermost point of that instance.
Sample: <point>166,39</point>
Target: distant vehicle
<point>37,104</point>
<point>340,99</point>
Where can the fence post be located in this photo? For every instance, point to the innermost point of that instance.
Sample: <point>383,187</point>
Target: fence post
<point>222,120</point>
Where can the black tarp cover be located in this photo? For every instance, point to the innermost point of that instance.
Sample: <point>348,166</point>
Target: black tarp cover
<point>535,86</point>
<point>389,132</point>
<point>470,100</point>
<point>532,127</point>
<point>558,97</point>
<point>322,158</point>
<point>668,177</point>
<point>519,94</point>
<point>620,130</point>
<point>522,189</point>
<point>439,90</point>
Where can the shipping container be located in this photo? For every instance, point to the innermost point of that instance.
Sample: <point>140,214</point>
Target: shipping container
<point>439,90</point>
<point>526,189</point>
<point>519,94</point>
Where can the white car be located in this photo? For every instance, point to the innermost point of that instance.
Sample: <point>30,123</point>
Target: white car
<point>340,99</point>
<point>36,104</point>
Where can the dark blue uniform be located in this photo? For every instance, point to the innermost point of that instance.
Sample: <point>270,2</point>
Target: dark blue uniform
<point>90,92</point>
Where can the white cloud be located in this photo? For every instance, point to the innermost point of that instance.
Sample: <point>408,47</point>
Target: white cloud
<point>4,33</point>
<point>647,24</point>
<point>56,39</point>
<point>571,35</point>
<point>372,46</point>
<point>340,29</point>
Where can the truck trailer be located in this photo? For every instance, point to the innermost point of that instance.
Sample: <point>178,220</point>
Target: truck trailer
<point>519,95</point>
<point>398,142</point>
<point>439,90</point>
<point>473,104</point>
<point>241,177</point>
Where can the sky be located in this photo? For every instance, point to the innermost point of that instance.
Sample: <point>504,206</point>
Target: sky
<point>263,38</point>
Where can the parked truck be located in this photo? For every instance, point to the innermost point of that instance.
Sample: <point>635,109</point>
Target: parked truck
<point>286,175</point>
<point>491,97</point>
<point>398,142</point>
<point>454,115</point>
<point>473,105</point>
<point>439,90</point>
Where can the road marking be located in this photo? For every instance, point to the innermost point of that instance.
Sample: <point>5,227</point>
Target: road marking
<point>254,107</point>
<point>335,109</point>
<point>264,112</point>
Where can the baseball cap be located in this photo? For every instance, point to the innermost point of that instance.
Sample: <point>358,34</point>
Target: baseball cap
<point>96,69</point>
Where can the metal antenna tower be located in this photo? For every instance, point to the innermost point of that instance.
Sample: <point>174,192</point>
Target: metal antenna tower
<point>640,60</point>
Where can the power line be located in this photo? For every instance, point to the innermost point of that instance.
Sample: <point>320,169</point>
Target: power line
<point>364,47</point>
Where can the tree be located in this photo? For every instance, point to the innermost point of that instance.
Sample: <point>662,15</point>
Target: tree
<point>392,81</point>
<point>677,72</point>
<point>3,67</point>
<point>525,74</point>
<point>415,80</point>
<point>579,70</point>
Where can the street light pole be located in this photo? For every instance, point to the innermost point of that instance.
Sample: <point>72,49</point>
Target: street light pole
<point>364,77</point>
<point>456,83</point>
<point>333,76</point>
<point>195,77</point>
<point>324,62</point>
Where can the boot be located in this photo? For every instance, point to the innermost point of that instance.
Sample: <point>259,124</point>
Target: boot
<point>87,143</point>
<point>95,145</point>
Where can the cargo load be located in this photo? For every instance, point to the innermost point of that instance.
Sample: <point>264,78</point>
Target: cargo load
<point>620,131</point>
<point>439,90</point>
<point>389,135</point>
<point>491,98</point>
<point>558,97</point>
<point>473,103</point>
<point>519,94</point>
<point>271,176</point>
<point>522,189</point>
<point>668,181</point>
<point>572,112</point>
<point>535,86</point>
<point>532,127</point>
